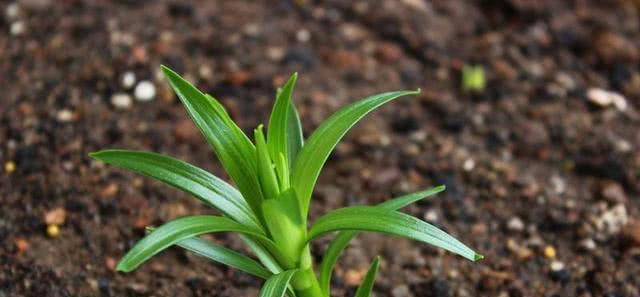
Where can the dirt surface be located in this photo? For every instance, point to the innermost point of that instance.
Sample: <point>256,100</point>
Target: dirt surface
<point>542,166</point>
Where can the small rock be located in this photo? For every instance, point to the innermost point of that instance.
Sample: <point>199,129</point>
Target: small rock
<point>275,53</point>
<point>56,216</point>
<point>65,116</point>
<point>353,277</point>
<point>401,291</point>
<point>22,245</point>
<point>613,192</point>
<point>145,91</point>
<point>128,80</point>
<point>53,230</point>
<point>468,165</point>
<point>17,28</point>
<point>431,215</point>
<point>588,244</point>
<point>631,233</point>
<point>109,191</point>
<point>303,35</point>
<point>9,167</point>
<point>612,47</point>
<point>612,220</point>
<point>558,184</point>
<point>515,224</point>
<point>238,78</point>
<point>604,98</point>
<point>389,52</point>
<point>121,100</point>
<point>556,266</point>
<point>522,252</point>
<point>12,11</point>
<point>549,252</point>
<point>110,263</point>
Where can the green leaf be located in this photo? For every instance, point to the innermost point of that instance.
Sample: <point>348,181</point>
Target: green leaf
<point>284,133</point>
<point>176,231</point>
<point>266,175</point>
<point>364,290</point>
<point>263,254</point>
<point>231,145</point>
<point>223,255</point>
<point>340,242</point>
<point>375,219</point>
<point>277,285</point>
<point>320,144</point>
<point>203,185</point>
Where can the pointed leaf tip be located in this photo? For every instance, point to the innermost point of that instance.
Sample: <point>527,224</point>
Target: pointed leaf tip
<point>478,257</point>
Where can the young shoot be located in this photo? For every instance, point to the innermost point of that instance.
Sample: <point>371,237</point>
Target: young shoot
<point>274,176</point>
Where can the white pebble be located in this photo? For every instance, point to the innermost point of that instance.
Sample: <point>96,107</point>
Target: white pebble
<point>17,28</point>
<point>431,215</point>
<point>468,165</point>
<point>64,116</point>
<point>588,244</point>
<point>121,100</point>
<point>303,35</point>
<point>12,11</point>
<point>557,265</point>
<point>145,91</point>
<point>604,98</point>
<point>515,224</point>
<point>128,79</point>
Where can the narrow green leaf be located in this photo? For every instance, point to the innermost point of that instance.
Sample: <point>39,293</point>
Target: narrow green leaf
<point>233,148</point>
<point>223,255</point>
<point>365,288</point>
<point>263,254</point>
<point>320,144</point>
<point>205,186</point>
<point>277,285</point>
<point>266,174</point>
<point>176,231</point>
<point>371,218</point>
<point>340,242</point>
<point>284,133</point>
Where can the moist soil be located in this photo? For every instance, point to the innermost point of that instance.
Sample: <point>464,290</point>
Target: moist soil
<point>541,166</point>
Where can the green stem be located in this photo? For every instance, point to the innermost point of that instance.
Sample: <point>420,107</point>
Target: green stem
<point>305,283</point>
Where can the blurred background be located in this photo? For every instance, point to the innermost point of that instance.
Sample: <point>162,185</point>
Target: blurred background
<point>528,114</point>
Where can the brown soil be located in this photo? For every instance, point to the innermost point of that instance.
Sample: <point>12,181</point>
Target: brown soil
<point>541,179</point>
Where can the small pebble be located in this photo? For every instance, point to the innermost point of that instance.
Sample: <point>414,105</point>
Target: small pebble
<point>53,230</point>
<point>9,167</point>
<point>303,35</point>
<point>515,224</point>
<point>121,100</point>
<point>56,216</point>
<point>468,165</point>
<point>22,245</point>
<point>549,252</point>
<point>431,216</point>
<point>275,53</point>
<point>401,291</point>
<point>145,91</point>
<point>557,265</point>
<point>588,244</point>
<point>110,263</point>
<point>17,28</point>
<point>353,277</point>
<point>128,79</point>
<point>604,98</point>
<point>12,11</point>
<point>65,116</point>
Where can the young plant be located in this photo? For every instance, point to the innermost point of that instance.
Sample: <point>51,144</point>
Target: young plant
<point>275,176</point>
